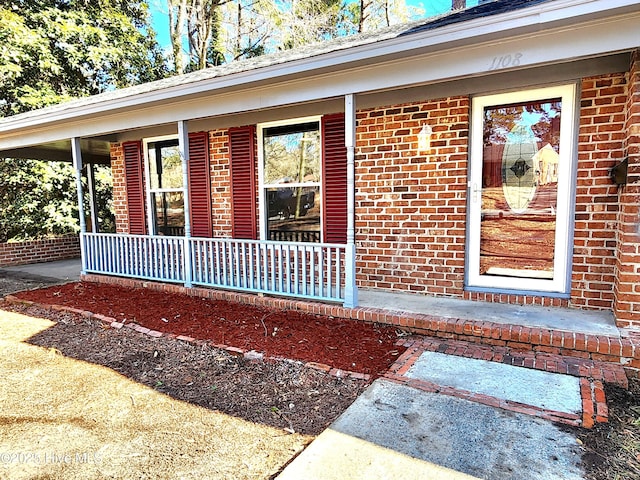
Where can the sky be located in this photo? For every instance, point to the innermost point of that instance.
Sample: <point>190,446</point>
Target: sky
<point>160,18</point>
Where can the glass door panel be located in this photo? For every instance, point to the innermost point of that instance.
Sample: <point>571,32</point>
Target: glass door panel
<point>520,189</point>
<point>522,157</point>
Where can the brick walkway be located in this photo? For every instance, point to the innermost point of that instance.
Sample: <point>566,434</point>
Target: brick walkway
<point>592,375</point>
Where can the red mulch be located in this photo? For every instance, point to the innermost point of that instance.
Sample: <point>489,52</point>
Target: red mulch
<point>345,344</point>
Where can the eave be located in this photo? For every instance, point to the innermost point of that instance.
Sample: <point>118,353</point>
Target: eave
<point>544,34</point>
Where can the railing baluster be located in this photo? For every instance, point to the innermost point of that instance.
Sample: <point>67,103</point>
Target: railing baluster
<point>236,270</point>
<point>320,272</point>
<point>299,269</point>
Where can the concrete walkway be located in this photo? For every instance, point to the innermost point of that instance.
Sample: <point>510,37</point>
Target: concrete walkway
<point>62,270</point>
<point>394,430</point>
<point>566,319</point>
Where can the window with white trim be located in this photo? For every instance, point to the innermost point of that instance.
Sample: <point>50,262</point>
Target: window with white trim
<point>165,191</point>
<point>290,171</point>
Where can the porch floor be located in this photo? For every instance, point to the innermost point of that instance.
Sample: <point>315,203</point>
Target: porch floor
<point>553,318</point>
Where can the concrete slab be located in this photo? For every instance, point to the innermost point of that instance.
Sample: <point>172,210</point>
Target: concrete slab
<point>396,427</point>
<point>549,391</point>
<point>62,270</point>
<point>572,320</point>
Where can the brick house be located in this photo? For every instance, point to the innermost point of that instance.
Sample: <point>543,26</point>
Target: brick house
<point>490,154</point>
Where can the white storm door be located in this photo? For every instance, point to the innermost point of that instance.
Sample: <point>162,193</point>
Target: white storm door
<point>521,168</point>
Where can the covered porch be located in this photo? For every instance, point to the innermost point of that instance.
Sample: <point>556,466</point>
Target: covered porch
<point>295,266</point>
<point>414,231</point>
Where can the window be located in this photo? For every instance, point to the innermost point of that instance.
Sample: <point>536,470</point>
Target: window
<point>166,187</point>
<point>302,173</point>
<point>290,181</point>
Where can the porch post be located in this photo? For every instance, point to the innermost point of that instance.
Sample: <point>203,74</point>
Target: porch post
<point>91,185</point>
<point>76,155</point>
<point>183,148</point>
<point>350,291</point>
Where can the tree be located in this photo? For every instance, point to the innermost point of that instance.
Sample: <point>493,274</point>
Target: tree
<point>51,51</point>
<point>371,15</point>
<point>245,31</point>
<point>194,24</point>
<point>301,22</point>
<point>68,49</point>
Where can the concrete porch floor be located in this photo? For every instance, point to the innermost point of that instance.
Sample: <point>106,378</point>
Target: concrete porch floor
<point>553,318</point>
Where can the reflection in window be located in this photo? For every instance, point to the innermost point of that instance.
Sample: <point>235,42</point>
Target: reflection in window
<point>520,189</point>
<point>166,188</point>
<point>291,182</point>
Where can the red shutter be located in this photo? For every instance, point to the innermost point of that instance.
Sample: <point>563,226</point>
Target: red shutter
<point>199,185</point>
<point>243,181</point>
<point>334,179</point>
<point>135,187</point>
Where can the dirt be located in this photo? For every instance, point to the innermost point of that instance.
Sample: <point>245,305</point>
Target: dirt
<point>612,450</point>
<point>345,344</point>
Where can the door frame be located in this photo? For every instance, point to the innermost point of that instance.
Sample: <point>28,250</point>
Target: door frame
<point>560,285</point>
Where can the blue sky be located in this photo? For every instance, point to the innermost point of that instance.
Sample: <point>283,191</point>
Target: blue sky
<point>160,18</point>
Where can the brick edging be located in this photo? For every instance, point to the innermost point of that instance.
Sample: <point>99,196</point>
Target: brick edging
<point>623,351</point>
<point>235,351</point>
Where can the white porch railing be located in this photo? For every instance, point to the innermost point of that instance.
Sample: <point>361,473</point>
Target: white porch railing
<point>303,270</point>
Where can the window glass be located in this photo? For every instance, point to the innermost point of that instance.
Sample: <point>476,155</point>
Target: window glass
<point>166,187</point>
<point>292,154</point>
<point>165,166</point>
<point>520,189</point>
<point>169,213</point>
<point>291,182</point>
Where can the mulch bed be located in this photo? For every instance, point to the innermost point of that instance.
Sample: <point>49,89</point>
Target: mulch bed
<point>282,394</point>
<point>344,344</point>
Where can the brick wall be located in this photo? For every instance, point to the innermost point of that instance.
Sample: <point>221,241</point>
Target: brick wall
<point>410,205</point>
<point>600,147</point>
<point>627,284</point>
<point>220,183</point>
<point>119,189</point>
<point>37,251</point>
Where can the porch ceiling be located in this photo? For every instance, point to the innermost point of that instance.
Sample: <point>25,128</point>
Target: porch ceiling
<point>451,48</point>
<point>93,151</point>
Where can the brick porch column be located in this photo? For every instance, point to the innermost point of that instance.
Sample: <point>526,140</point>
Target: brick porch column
<point>119,188</point>
<point>627,283</point>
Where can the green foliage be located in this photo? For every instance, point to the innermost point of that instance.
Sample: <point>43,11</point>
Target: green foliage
<point>52,51</point>
<point>36,198</point>
<point>56,50</point>
<point>104,199</point>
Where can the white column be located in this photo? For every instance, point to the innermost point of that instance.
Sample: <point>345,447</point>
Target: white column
<point>183,148</point>
<point>351,291</point>
<point>76,155</point>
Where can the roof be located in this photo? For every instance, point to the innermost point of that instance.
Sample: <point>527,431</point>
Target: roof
<point>457,45</point>
<point>305,52</point>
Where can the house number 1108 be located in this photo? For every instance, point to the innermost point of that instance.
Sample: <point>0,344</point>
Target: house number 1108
<point>506,61</point>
